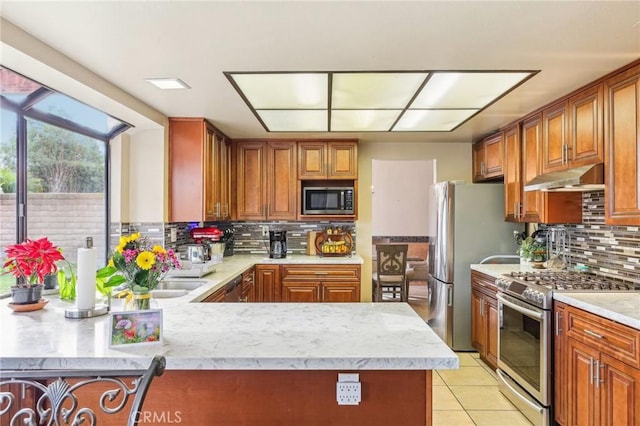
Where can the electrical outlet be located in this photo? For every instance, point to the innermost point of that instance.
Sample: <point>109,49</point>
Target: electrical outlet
<point>265,231</point>
<point>174,235</point>
<point>348,389</point>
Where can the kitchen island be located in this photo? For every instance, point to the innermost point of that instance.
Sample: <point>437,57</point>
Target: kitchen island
<point>262,363</point>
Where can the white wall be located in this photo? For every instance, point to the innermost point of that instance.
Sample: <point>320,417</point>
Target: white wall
<point>147,176</point>
<point>399,196</point>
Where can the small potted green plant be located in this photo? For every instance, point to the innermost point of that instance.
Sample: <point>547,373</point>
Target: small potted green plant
<point>30,261</point>
<point>526,250</point>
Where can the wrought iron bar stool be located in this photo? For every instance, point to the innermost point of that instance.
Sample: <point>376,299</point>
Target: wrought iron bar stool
<point>55,401</point>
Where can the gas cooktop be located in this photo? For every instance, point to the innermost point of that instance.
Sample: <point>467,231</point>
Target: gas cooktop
<point>537,287</point>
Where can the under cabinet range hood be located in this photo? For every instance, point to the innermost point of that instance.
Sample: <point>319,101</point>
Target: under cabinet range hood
<point>585,178</point>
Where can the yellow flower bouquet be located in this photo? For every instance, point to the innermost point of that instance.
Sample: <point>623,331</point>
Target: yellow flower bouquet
<point>138,264</point>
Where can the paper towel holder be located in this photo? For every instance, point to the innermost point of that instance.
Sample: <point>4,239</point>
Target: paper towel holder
<point>97,311</point>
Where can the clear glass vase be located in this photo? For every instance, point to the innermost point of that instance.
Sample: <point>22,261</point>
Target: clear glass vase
<point>141,300</point>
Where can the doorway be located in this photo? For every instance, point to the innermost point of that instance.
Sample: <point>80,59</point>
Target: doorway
<point>401,213</point>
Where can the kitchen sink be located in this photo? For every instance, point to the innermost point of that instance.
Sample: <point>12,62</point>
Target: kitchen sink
<point>180,284</point>
<point>167,294</point>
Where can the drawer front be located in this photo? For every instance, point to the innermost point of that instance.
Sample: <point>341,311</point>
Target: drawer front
<point>619,341</point>
<point>321,272</point>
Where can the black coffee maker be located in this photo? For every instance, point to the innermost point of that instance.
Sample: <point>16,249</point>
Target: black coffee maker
<point>277,244</point>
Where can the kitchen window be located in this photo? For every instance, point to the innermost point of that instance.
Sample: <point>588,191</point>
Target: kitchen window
<point>53,168</point>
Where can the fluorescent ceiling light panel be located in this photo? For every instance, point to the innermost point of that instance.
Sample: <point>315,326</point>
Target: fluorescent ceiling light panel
<point>466,89</point>
<point>168,83</point>
<point>374,90</point>
<point>294,120</point>
<point>432,120</point>
<point>284,91</point>
<point>371,101</point>
<point>368,120</point>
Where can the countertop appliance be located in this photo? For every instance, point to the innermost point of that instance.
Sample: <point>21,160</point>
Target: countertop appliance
<point>525,335</point>
<point>228,238</point>
<point>277,244</point>
<point>467,225</point>
<point>211,238</point>
<point>327,200</point>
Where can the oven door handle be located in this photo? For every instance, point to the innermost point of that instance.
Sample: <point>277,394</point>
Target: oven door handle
<point>505,381</point>
<point>521,309</point>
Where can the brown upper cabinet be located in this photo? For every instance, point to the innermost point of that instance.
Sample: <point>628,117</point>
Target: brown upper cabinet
<point>266,185</point>
<point>327,160</point>
<point>199,171</point>
<point>521,146</point>
<point>573,134</point>
<point>488,156</point>
<point>622,147</point>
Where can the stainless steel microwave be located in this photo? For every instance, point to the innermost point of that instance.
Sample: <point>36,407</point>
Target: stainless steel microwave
<point>327,200</point>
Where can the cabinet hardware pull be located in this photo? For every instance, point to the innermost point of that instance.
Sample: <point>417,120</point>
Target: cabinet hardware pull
<point>590,370</point>
<point>598,367</point>
<point>558,319</point>
<point>218,209</point>
<point>593,334</point>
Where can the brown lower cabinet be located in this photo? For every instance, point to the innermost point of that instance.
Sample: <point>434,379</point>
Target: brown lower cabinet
<point>602,363</point>
<point>298,283</point>
<point>484,317</point>
<point>320,283</point>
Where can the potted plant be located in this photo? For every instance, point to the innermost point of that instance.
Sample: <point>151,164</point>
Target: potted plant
<point>30,261</point>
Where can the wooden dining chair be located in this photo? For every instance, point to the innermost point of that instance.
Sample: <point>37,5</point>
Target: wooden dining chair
<point>389,276</point>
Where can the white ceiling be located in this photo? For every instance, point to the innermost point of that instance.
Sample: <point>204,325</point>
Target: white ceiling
<point>572,43</point>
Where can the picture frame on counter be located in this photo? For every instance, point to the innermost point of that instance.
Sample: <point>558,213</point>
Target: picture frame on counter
<point>129,328</point>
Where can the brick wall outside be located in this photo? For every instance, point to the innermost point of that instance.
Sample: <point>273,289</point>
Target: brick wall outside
<point>66,219</point>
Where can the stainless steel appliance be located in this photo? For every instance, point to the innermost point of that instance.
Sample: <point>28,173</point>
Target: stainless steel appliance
<point>209,237</point>
<point>525,340</point>
<point>327,200</point>
<point>467,224</point>
<point>233,290</point>
<point>277,244</point>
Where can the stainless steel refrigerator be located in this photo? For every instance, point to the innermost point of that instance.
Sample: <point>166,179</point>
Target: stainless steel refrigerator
<point>467,224</point>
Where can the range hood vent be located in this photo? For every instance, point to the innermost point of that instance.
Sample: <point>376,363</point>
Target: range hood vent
<point>585,178</point>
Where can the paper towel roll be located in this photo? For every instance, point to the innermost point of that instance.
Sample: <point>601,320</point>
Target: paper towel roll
<point>86,283</point>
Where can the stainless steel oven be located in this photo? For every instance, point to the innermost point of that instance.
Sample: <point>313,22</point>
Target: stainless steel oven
<point>524,351</point>
<point>525,340</point>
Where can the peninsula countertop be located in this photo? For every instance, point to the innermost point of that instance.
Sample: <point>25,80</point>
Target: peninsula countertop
<point>232,336</point>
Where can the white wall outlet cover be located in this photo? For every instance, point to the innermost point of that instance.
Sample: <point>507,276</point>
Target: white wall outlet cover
<point>348,389</point>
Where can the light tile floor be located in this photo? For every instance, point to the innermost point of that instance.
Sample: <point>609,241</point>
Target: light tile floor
<point>470,396</point>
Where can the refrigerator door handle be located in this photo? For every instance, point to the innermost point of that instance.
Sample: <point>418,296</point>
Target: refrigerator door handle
<point>449,295</point>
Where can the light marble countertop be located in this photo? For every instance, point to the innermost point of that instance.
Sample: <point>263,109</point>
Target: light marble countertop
<point>622,307</point>
<point>232,336</point>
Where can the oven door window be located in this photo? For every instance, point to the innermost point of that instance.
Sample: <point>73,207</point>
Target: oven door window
<point>520,345</point>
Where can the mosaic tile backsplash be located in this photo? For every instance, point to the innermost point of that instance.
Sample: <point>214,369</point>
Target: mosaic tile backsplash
<point>610,251</point>
<point>248,235</point>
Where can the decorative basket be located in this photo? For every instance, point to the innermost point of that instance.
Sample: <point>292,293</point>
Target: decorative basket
<point>334,245</point>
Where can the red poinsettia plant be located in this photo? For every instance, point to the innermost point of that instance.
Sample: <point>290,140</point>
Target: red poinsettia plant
<point>31,260</point>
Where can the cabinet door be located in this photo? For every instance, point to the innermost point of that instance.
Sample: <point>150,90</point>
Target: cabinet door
<point>213,176</point>
<point>493,156</point>
<point>560,376</point>
<point>224,178</point>
<point>218,296</point>
<point>186,169</point>
<point>532,201</point>
<point>586,127</point>
<point>250,177</point>
<point>312,160</point>
<point>268,283</point>
<point>477,322</point>
<point>281,180</point>
<point>343,160</point>
<point>555,138</point>
<point>583,399</point>
<point>511,168</point>
<point>491,316</point>
<point>477,153</point>
<point>622,147</point>
<point>619,393</point>
<point>340,292</point>
<point>300,291</point>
